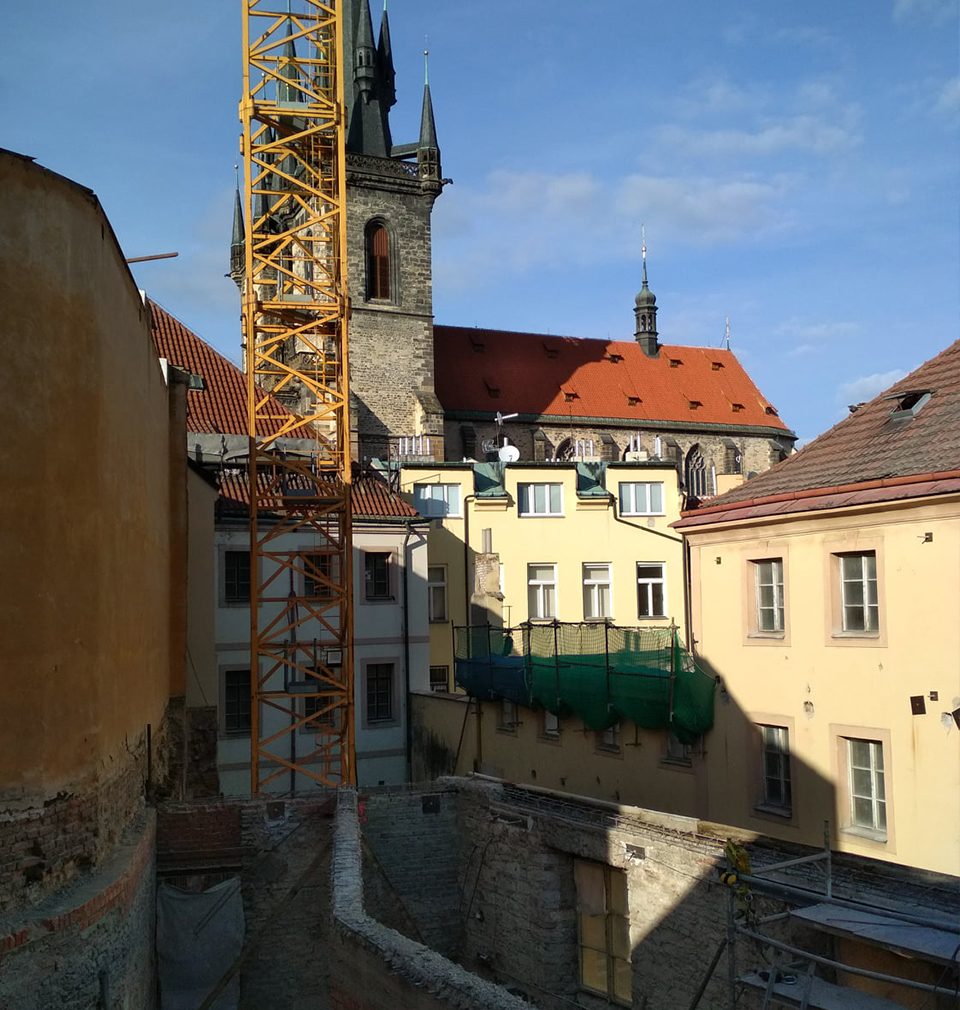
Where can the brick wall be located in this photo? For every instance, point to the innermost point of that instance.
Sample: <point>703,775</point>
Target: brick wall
<point>47,842</point>
<point>92,941</point>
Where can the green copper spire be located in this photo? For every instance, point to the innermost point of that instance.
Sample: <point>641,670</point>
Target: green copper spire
<point>645,309</point>
<point>386,75</point>
<point>237,242</point>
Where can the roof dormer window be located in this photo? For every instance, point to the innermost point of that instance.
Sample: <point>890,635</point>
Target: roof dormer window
<point>909,404</point>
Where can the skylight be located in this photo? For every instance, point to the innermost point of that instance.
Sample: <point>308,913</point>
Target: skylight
<point>909,403</point>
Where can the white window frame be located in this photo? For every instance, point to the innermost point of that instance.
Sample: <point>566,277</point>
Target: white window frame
<point>646,583</point>
<point>434,584</point>
<point>635,498</point>
<point>877,824</point>
<point>438,501</point>
<point>549,504</point>
<point>592,591</point>
<point>777,610</point>
<point>550,726</point>
<point>609,739</point>
<point>535,589</point>
<point>775,748</point>
<point>869,611</point>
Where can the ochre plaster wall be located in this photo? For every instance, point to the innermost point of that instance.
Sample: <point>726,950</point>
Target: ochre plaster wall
<point>826,686</point>
<point>85,513</point>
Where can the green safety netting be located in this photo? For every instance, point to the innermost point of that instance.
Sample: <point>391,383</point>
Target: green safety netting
<point>598,672</point>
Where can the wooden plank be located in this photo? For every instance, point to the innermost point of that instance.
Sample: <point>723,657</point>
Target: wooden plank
<point>823,995</point>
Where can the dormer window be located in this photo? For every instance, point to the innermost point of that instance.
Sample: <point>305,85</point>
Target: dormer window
<point>737,407</point>
<point>477,345</point>
<point>695,404</point>
<point>613,357</point>
<point>716,365</point>
<point>633,401</point>
<point>771,410</point>
<point>675,362</point>
<point>493,388</point>
<point>569,396</point>
<point>909,404</point>
<point>551,352</point>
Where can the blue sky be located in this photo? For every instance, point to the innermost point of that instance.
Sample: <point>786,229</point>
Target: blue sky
<point>795,165</point>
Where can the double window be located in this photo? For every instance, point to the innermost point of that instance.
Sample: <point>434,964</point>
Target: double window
<point>596,592</point>
<point>236,577</point>
<point>643,498</point>
<point>437,500</point>
<point>541,592</point>
<point>859,607</point>
<point>540,499</point>
<point>380,701</point>
<point>777,791</point>
<point>651,589</point>
<point>768,576</point>
<point>603,918</point>
<point>236,702</point>
<point>376,575</point>
<point>867,786</point>
<point>318,573</point>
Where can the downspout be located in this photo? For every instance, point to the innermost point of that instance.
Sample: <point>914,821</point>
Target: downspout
<point>408,723</point>
<point>478,759</point>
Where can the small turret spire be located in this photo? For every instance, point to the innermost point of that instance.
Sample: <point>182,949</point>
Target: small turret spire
<point>387,76</point>
<point>237,242</point>
<point>645,308</point>
<point>428,150</point>
<point>288,92</point>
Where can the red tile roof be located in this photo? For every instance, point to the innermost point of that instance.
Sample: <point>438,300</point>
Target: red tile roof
<point>532,373</point>
<point>877,453</point>
<point>221,408</point>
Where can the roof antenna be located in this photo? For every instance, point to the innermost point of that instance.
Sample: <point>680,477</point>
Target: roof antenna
<point>726,335</point>
<point>426,60</point>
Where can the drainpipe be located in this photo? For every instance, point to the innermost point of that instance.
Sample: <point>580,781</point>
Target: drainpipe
<point>478,760</point>
<point>408,725</point>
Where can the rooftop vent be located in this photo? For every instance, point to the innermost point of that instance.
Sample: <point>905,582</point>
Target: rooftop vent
<point>675,362</point>
<point>614,357</point>
<point>737,407</point>
<point>493,387</point>
<point>550,351</point>
<point>771,410</point>
<point>716,365</point>
<point>477,344</point>
<point>694,404</point>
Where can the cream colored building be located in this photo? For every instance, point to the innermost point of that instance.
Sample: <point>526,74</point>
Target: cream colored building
<point>828,600</point>
<point>589,545</point>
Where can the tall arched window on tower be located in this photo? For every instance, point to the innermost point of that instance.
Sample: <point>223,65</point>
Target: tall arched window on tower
<point>379,279</point>
<point>697,476</point>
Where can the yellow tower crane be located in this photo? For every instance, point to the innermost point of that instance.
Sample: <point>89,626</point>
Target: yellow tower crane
<point>295,311</point>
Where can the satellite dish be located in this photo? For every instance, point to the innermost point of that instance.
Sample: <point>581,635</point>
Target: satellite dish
<point>509,454</point>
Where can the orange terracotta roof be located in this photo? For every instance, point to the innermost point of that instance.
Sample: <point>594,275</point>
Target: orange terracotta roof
<point>532,373</point>
<point>880,452</point>
<point>221,407</point>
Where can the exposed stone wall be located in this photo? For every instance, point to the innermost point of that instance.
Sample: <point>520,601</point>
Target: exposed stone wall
<point>92,944</point>
<point>44,845</point>
<point>391,343</point>
<point>374,967</point>
<point>409,836</point>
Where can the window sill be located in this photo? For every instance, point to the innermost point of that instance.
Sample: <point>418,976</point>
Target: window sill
<point>677,764</point>
<point>379,599</point>
<point>651,617</point>
<point>866,834</point>
<point>553,739</point>
<point>597,620</point>
<point>614,752</point>
<point>767,636</point>
<point>768,810</point>
<point>643,515</point>
<point>381,724</point>
<point>862,639</point>
<point>542,515</point>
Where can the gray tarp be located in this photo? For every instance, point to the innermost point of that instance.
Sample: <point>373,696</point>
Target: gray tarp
<point>199,936</point>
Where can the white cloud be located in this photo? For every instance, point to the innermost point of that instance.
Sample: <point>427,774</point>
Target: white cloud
<point>936,11</point>
<point>808,332</point>
<point>866,387</point>
<point>948,101</point>
<point>807,133</point>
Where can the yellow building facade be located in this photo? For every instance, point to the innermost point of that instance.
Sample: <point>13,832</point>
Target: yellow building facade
<point>580,544</point>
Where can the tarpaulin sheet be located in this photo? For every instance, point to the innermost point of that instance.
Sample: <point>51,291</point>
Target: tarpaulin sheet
<point>199,936</point>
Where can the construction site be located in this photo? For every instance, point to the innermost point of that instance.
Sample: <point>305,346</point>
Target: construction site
<point>228,782</point>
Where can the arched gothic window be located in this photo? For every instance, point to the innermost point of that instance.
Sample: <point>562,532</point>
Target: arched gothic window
<point>697,477</point>
<point>379,274</point>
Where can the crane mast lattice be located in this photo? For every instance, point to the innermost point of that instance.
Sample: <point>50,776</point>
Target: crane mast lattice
<point>295,356</point>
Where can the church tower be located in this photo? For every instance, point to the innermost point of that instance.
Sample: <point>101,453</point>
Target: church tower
<point>391,190</point>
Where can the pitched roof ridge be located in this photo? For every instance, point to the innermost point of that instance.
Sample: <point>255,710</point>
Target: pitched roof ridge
<point>817,492</point>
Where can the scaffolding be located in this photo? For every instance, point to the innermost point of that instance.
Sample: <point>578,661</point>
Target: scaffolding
<point>599,672</point>
<point>782,973</point>
<point>296,361</point>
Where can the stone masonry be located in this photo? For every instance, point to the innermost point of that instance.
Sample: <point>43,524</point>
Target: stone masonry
<point>391,341</point>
